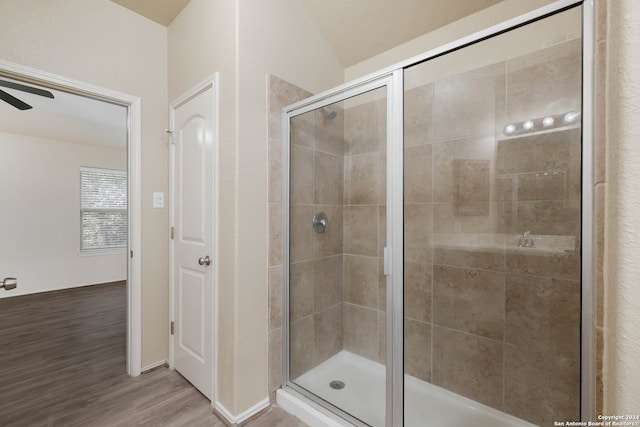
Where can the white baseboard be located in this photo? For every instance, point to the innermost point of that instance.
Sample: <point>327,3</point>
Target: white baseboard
<point>238,419</point>
<point>154,365</point>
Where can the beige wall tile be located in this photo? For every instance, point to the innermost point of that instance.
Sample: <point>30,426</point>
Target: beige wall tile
<point>361,230</point>
<point>541,388</point>
<point>562,266</point>
<point>418,104</point>
<point>329,133</point>
<point>382,338</point>
<point>327,281</point>
<point>328,333</point>
<point>468,103</point>
<point>468,365</point>
<point>469,300</point>
<point>445,155</point>
<point>382,176</point>
<point>418,229</point>
<point>281,94</point>
<point>275,234</point>
<point>361,128</point>
<point>330,242</point>
<point>363,179</point>
<point>381,111</point>
<point>361,280</point>
<point>505,187</point>
<point>346,177</point>
<point>301,180</point>
<point>506,218</point>
<point>275,170</point>
<point>545,82</point>
<point>301,346</point>
<point>536,153</point>
<point>328,179</point>
<point>445,220</point>
<point>483,260</point>
<point>382,286</point>
<point>418,174</point>
<point>417,291</point>
<point>543,314</point>
<point>361,331</point>
<point>382,230</point>
<point>301,290</point>
<point>302,128</point>
<point>300,233</point>
<point>275,359</point>
<point>275,297</point>
<point>471,181</point>
<point>560,218</point>
<point>542,186</point>
<point>417,349</point>
<point>471,187</point>
<point>574,170</point>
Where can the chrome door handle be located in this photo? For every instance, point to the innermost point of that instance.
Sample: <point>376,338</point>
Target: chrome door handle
<point>204,260</point>
<point>9,283</point>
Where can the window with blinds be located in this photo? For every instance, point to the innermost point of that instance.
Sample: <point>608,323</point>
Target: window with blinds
<point>103,209</point>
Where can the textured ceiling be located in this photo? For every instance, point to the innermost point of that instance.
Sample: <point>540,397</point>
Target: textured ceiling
<point>160,11</point>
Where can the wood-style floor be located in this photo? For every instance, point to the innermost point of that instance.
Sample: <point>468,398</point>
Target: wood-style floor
<point>62,363</point>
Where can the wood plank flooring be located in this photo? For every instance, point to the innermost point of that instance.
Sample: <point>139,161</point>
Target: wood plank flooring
<point>62,363</point>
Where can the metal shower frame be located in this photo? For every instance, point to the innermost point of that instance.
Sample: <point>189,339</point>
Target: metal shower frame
<point>391,78</point>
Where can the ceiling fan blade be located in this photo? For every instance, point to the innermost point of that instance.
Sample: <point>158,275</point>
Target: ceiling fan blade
<point>14,101</point>
<point>25,88</point>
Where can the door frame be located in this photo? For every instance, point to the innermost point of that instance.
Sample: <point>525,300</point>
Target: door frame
<point>134,139</point>
<point>210,82</point>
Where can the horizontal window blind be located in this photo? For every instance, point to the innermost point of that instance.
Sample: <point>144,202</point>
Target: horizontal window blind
<point>103,209</point>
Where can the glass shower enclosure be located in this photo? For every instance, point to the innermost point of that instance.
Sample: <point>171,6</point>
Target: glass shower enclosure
<point>435,233</point>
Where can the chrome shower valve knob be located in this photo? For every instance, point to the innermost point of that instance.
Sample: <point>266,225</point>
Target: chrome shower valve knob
<point>319,222</point>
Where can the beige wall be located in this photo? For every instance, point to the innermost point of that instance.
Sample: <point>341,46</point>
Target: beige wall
<point>212,27</point>
<point>41,182</point>
<point>493,15</point>
<point>101,43</point>
<point>245,42</point>
<point>621,370</point>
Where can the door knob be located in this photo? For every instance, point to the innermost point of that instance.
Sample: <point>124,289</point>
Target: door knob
<point>204,260</point>
<point>9,283</point>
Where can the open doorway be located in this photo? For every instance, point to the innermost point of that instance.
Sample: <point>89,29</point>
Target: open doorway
<point>65,164</point>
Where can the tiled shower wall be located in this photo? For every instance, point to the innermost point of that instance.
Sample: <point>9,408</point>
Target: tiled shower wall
<point>365,195</point>
<point>470,360</point>
<point>316,259</point>
<point>280,94</point>
<point>500,326</point>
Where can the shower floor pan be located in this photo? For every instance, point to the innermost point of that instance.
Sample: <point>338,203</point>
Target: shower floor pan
<point>363,396</point>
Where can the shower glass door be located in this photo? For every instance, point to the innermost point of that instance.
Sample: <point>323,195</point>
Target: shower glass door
<point>492,230</point>
<point>336,235</point>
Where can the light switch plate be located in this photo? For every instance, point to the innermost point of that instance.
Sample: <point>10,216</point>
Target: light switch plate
<point>158,200</point>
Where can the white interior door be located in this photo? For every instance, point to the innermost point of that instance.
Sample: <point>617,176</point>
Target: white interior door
<point>193,258</point>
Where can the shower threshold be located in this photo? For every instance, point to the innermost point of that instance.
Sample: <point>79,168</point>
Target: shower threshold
<point>363,396</point>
